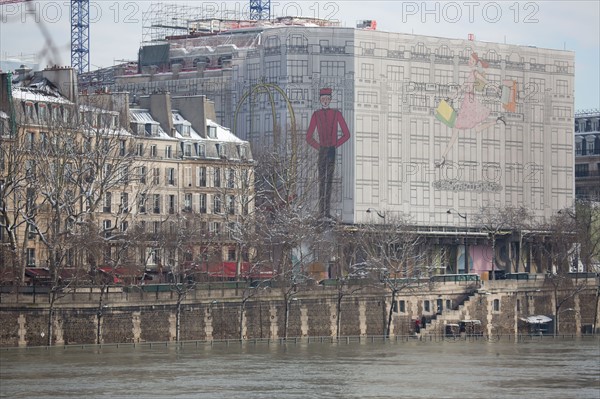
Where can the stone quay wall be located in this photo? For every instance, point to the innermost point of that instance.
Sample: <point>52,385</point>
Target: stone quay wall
<point>126,316</point>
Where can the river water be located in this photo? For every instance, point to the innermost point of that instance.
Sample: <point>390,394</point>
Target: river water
<point>540,368</point>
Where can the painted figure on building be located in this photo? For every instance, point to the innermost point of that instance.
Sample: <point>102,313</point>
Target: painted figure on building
<point>326,121</point>
<point>472,114</point>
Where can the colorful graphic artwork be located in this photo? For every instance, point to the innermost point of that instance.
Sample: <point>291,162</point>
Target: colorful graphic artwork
<point>472,112</point>
<point>327,122</point>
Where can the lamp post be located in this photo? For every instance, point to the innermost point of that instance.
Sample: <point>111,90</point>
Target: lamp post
<point>450,211</point>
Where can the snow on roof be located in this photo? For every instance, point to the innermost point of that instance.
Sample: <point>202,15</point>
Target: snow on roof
<point>25,94</point>
<point>179,120</point>
<point>142,116</point>
<point>223,134</point>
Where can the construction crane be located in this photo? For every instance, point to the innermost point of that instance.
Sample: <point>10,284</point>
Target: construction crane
<point>80,35</point>
<point>80,32</point>
<point>260,9</point>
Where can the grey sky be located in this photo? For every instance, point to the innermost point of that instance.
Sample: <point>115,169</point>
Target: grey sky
<point>116,29</point>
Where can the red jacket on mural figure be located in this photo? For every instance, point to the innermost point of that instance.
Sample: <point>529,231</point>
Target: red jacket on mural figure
<point>326,121</point>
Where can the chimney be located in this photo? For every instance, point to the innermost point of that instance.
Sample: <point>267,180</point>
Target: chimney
<point>65,80</point>
<point>160,109</point>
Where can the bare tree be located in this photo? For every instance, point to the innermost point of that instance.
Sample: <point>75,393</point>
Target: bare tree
<point>283,219</point>
<point>502,222</point>
<point>557,249</point>
<point>394,256</point>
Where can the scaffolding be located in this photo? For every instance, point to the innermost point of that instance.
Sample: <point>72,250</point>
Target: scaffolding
<point>163,20</point>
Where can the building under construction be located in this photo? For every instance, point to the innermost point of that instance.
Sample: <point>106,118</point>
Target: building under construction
<point>433,123</point>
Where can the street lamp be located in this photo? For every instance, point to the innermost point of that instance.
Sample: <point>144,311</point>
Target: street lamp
<point>450,211</point>
<point>381,215</point>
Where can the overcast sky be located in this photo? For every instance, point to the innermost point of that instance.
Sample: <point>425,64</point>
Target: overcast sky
<point>116,27</point>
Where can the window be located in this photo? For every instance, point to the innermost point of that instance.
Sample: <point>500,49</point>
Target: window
<point>402,306</point>
<point>272,70</point>
<point>187,202</point>
<point>143,172</point>
<point>202,203</point>
<point>124,226</point>
<point>244,205</point>
<point>231,204</point>
<point>217,177</point>
<point>221,150</point>
<point>171,176</point>
<point>156,203</point>
<point>106,226</point>
<point>242,151</point>
<point>420,75</point>
<point>297,69</point>
<point>139,150</point>
<point>187,151</point>
<point>30,256</point>
<point>395,73</point>
<point>142,203</point>
<point>171,204</point>
<point>212,131</point>
<point>426,306</point>
<point>582,170</point>
<point>106,208</point>
<point>30,169</point>
<point>231,255</point>
<point>215,228</point>
<point>245,179</point>
<point>122,147</point>
<point>168,152</point>
<point>30,231</point>
<point>43,113</point>
<point>231,178</point>
<point>30,140</point>
<point>367,71</point>
<point>156,176</point>
<point>153,151</point>
<point>201,172</point>
<point>496,305</point>
<point>217,204</point>
<point>202,150</point>
<point>562,87</point>
<point>125,202</point>
<point>333,68</point>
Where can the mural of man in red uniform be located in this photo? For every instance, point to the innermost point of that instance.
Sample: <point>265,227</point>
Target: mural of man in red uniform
<point>326,121</point>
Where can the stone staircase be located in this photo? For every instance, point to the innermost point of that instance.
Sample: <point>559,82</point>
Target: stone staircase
<point>436,326</point>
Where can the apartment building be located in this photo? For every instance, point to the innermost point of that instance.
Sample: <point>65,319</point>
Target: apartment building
<point>97,182</point>
<point>587,155</point>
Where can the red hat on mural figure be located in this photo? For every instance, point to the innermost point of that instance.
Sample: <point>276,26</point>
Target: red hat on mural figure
<point>326,91</point>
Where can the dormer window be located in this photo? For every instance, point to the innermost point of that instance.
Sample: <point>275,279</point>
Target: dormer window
<point>42,112</point>
<point>242,151</point>
<point>187,150</point>
<point>184,130</point>
<point>202,150</point>
<point>212,131</point>
<point>55,113</point>
<point>220,150</point>
<point>29,110</point>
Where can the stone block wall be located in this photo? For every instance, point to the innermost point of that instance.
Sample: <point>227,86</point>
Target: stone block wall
<point>311,314</point>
